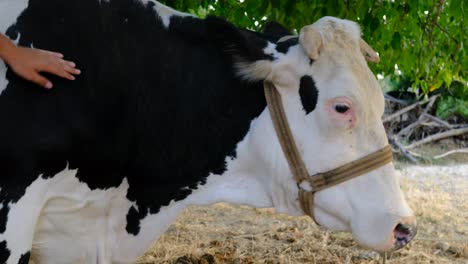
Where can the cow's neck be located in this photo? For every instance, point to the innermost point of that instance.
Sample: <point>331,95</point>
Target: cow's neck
<point>234,187</point>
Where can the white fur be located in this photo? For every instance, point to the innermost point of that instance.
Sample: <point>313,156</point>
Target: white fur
<point>332,28</point>
<point>61,213</point>
<point>73,216</point>
<point>23,214</point>
<point>3,80</point>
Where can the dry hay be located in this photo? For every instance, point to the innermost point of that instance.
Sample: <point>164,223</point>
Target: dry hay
<point>225,233</point>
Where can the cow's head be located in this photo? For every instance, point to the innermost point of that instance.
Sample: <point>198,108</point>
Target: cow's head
<point>334,106</point>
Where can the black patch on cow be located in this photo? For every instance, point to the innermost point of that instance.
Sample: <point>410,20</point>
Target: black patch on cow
<point>12,32</point>
<point>274,31</point>
<point>242,44</point>
<point>308,93</point>
<point>283,46</point>
<point>160,107</point>
<point>4,252</point>
<point>150,4</point>
<point>133,220</point>
<point>24,259</point>
<point>4,214</point>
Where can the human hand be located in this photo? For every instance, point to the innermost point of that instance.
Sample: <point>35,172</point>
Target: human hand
<point>29,63</point>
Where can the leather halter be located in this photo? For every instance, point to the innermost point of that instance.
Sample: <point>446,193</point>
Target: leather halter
<point>317,181</point>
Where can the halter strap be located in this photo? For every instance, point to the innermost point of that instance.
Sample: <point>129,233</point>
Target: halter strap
<point>317,181</point>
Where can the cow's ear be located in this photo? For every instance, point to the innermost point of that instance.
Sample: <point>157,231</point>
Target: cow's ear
<point>244,48</point>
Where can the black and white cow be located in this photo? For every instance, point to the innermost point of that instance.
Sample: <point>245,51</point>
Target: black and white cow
<point>168,112</point>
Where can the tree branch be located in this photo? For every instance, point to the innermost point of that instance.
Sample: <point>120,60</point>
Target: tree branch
<point>464,150</point>
<point>438,136</point>
<point>403,150</point>
<point>402,111</point>
<point>408,130</point>
<point>395,100</point>
<point>434,20</point>
<point>440,121</point>
<point>446,32</point>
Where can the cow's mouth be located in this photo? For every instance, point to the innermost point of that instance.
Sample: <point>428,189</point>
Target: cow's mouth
<point>403,234</point>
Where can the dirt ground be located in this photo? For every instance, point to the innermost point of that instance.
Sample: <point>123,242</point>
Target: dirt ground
<point>225,233</point>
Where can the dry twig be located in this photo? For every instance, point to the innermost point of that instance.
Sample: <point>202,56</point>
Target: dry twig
<point>409,129</point>
<point>464,150</point>
<point>438,120</point>
<point>401,111</point>
<point>395,100</point>
<point>438,136</point>
<point>403,150</point>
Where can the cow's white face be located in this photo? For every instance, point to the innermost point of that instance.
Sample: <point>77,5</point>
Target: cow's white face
<point>334,106</point>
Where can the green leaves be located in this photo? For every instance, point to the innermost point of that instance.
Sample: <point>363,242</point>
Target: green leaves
<point>396,41</point>
<point>450,106</point>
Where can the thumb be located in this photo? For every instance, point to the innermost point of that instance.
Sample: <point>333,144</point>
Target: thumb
<point>38,79</point>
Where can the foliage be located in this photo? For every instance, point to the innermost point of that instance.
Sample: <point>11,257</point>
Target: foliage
<point>454,102</point>
<point>419,41</point>
<point>450,106</point>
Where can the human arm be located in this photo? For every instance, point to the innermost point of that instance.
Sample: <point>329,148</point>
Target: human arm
<point>29,63</point>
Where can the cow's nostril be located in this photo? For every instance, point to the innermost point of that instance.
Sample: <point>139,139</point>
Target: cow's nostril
<point>403,234</point>
<point>402,229</point>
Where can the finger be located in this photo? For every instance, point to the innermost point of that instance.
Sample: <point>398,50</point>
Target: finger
<point>38,79</point>
<point>70,63</point>
<point>69,76</point>
<point>62,72</point>
<point>72,70</point>
<point>58,55</point>
<point>66,72</point>
<point>53,53</point>
<point>56,68</point>
<point>47,54</point>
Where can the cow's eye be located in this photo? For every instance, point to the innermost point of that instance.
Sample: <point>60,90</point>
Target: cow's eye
<point>341,108</point>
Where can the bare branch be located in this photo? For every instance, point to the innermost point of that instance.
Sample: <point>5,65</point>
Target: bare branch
<point>438,120</point>
<point>395,100</point>
<point>464,150</point>
<point>401,111</point>
<point>429,123</point>
<point>459,125</point>
<point>438,136</point>
<point>403,150</point>
<point>408,130</point>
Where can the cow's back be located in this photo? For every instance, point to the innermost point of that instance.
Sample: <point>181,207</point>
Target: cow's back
<point>134,132</point>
